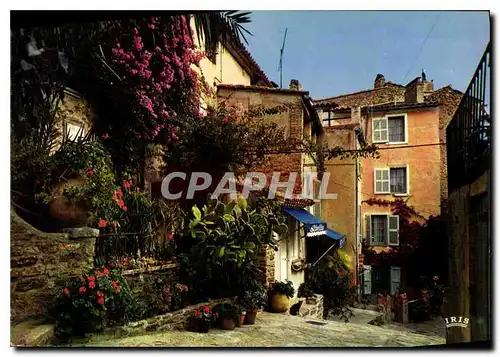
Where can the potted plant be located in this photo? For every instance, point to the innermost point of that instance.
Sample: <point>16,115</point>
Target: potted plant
<point>253,299</point>
<point>202,319</point>
<point>228,315</point>
<point>243,313</point>
<point>280,294</point>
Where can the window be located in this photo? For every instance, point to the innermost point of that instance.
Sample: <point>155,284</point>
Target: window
<point>382,229</point>
<point>392,180</point>
<point>398,180</point>
<point>73,131</point>
<point>395,279</point>
<point>379,229</point>
<point>390,129</point>
<point>397,129</point>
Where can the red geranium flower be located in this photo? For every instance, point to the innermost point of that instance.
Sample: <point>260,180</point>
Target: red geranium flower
<point>436,278</point>
<point>114,197</point>
<point>91,278</point>
<point>92,284</point>
<point>126,184</point>
<point>206,310</point>
<point>90,172</point>
<point>102,223</point>
<point>121,203</point>
<point>66,291</point>
<point>171,236</point>
<point>119,192</point>
<point>124,208</point>
<point>100,300</point>
<point>105,136</point>
<point>100,293</point>
<point>82,289</point>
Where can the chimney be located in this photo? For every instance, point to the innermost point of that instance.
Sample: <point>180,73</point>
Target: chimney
<point>414,92</point>
<point>356,114</point>
<point>379,81</point>
<point>295,84</point>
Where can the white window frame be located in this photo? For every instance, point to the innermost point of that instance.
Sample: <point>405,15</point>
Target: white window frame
<point>72,135</point>
<point>386,130</point>
<point>384,169</point>
<point>388,169</point>
<point>369,231</point>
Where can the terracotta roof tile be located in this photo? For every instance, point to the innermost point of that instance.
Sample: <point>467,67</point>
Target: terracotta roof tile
<point>262,89</point>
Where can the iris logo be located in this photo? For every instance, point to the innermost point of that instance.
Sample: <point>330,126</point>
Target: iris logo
<point>454,321</point>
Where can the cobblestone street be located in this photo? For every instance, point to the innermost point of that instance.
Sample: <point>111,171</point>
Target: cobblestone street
<point>277,330</point>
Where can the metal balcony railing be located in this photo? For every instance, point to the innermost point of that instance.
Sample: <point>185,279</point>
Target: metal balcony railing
<point>468,136</point>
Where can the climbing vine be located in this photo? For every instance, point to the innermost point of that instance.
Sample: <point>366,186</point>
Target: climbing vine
<point>409,234</point>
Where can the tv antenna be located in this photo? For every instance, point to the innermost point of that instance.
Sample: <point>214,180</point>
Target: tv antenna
<point>280,67</point>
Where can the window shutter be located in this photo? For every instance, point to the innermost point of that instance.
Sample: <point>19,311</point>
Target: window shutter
<point>375,130</point>
<point>384,129</point>
<point>381,180</point>
<point>368,224</point>
<point>395,279</point>
<point>367,280</point>
<point>393,230</point>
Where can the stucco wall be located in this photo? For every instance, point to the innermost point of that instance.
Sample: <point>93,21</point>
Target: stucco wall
<point>225,69</point>
<point>424,163</point>
<point>340,213</point>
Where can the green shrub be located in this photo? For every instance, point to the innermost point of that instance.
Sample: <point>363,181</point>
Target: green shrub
<point>284,288</point>
<point>88,304</point>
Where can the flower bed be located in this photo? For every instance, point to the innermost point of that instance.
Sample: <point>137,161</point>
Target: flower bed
<point>176,320</point>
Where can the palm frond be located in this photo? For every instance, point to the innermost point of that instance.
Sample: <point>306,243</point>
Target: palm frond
<point>224,26</point>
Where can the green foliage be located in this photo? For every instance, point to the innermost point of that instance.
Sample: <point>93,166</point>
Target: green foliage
<point>282,287</point>
<point>90,303</point>
<point>305,291</point>
<point>254,295</point>
<point>338,293</point>
<point>158,295</point>
<point>231,233</point>
<point>227,311</point>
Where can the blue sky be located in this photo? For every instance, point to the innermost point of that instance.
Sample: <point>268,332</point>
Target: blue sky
<point>338,52</point>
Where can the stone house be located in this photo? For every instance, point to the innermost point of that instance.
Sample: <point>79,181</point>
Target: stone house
<point>407,124</point>
<point>301,122</point>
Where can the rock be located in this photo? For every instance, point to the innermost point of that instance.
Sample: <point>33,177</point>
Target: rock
<point>82,232</point>
<point>32,334</point>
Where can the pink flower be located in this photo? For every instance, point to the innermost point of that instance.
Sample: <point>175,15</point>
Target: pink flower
<point>92,284</point>
<point>66,291</point>
<point>105,136</point>
<point>126,184</point>
<point>171,236</point>
<point>82,289</point>
<point>100,300</point>
<point>90,172</point>
<point>124,208</point>
<point>436,278</point>
<point>102,223</point>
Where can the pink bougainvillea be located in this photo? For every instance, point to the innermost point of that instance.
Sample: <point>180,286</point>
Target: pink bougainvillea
<point>156,59</point>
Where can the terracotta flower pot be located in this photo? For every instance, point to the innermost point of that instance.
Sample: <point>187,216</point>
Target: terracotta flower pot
<point>228,323</point>
<point>242,319</point>
<point>67,213</point>
<point>279,302</point>
<point>250,317</point>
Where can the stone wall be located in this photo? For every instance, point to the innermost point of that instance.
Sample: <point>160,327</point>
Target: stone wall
<point>312,307</point>
<point>176,320</point>
<point>265,260</point>
<point>42,261</point>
